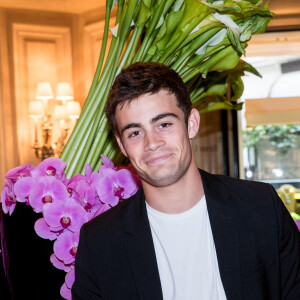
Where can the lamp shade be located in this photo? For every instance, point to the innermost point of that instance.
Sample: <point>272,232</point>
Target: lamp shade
<point>60,112</point>
<point>64,91</point>
<point>35,109</point>
<point>73,108</point>
<point>44,91</point>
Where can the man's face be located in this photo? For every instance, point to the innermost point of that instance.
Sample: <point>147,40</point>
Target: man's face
<point>155,138</point>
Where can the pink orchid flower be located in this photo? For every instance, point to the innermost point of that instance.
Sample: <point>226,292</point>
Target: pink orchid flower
<point>65,247</point>
<point>81,188</point>
<point>19,172</point>
<point>42,229</point>
<point>88,197</point>
<point>51,166</point>
<point>47,189</point>
<point>8,198</point>
<point>115,185</point>
<point>66,214</point>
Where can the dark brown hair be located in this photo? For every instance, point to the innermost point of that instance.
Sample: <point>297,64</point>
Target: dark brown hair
<point>145,78</point>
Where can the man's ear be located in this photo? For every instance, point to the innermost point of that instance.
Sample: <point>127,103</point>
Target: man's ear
<point>121,145</point>
<point>193,123</point>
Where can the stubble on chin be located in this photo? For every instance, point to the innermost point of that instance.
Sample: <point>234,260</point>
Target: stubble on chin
<point>164,176</point>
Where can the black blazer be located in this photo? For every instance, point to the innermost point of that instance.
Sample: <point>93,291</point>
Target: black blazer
<point>257,245</point>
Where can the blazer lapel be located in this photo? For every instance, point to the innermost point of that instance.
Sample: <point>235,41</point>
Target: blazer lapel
<point>224,225</point>
<point>140,249</point>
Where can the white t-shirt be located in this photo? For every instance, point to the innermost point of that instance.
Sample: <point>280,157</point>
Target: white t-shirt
<point>186,255</point>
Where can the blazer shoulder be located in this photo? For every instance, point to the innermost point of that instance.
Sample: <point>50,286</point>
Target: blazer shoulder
<point>236,182</point>
<point>240,191</point>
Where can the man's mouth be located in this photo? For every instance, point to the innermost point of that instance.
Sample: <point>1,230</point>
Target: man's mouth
<point>157,159</point>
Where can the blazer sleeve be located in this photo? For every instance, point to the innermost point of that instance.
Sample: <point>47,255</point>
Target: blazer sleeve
<point>85,286</point>
<point>289,251</point>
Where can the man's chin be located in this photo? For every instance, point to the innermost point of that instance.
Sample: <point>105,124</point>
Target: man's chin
<point>161,179</point>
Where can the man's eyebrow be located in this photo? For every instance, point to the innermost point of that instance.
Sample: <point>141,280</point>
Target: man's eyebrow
<point>130,125</point>
<point>161,116</point>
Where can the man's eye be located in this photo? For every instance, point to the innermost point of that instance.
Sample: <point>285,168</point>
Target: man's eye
<point>133,134</point>
<point>165,125</point>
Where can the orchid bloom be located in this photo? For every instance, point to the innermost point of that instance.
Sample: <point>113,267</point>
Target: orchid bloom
<point>19,172</point>
<point>51,166</point>
<point>115,185</point>
<point>66,214</point>
<point>8,198</point>
<point>65,247</point>
<point>47,190</point>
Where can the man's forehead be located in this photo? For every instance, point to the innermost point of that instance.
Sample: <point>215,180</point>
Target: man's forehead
<point>151,97</point>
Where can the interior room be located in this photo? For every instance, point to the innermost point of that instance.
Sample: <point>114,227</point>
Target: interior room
<point>49,51</point>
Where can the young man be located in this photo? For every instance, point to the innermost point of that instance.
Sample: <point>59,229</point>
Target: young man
<point>186,234</point>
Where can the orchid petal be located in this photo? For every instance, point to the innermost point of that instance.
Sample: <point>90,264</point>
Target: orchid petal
<point>36,195</point>
<point>70,278</point>
<point>101,210</point>
<point>52,213</point>
<point>59,264</point>
<point>8,200</point>
<point>65,292</point>
<point>105,190</point>
<point>88,172</point>
<point>42,229</point>
<point>126,181</point>
<point>107,162</point>
<point>3,195</point>
<point>23,188</point>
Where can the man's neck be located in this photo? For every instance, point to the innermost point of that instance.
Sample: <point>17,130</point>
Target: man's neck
<point>178,197</point>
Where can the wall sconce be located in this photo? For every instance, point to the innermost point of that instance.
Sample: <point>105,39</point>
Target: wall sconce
<point>46,120</point>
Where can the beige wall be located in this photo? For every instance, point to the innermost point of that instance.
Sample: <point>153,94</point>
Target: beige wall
<point>40,46</point>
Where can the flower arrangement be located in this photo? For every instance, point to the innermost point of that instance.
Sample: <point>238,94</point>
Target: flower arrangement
<point>66,204</point>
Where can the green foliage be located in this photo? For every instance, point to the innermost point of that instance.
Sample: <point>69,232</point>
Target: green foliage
<point>201,40</point>
<point>282,137</point>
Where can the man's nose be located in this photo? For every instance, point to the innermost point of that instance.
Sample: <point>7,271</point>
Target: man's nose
<point>153,141</point>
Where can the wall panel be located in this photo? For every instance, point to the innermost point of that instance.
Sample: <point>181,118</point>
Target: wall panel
<point>40,53</point>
